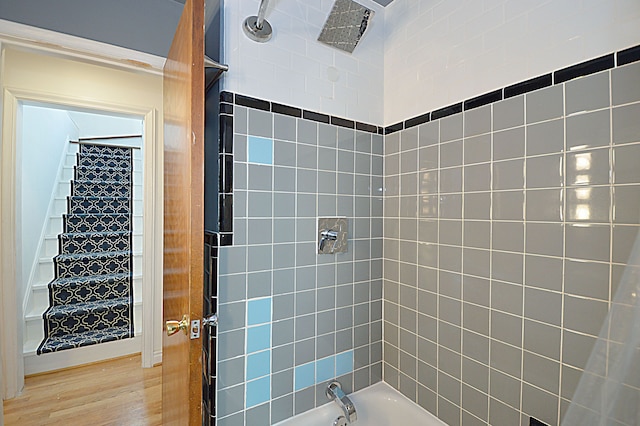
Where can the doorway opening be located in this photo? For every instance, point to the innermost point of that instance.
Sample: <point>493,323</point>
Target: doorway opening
<point>79,224</point>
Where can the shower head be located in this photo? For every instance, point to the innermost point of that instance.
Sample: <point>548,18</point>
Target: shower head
<point>345,25</point>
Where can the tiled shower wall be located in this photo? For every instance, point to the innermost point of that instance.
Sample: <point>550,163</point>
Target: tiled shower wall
<point>507,228</point>
<point>291,320</point>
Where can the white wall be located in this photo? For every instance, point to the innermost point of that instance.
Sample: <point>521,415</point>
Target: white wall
<point>442,52</point>
<point>292,67</point>
<point>45,135</point>
<point>99,125</point>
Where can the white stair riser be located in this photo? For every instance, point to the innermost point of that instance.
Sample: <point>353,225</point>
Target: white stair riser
<point>55,226</point>
<point>64,189</point>
<point>49,248</point>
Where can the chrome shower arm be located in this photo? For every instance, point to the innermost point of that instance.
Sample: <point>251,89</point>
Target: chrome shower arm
<point>261,13</point>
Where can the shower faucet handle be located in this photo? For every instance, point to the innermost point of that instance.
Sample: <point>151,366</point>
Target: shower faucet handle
<point>327,235</point>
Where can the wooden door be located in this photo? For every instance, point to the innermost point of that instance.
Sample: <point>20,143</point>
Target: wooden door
<point>183,216</point>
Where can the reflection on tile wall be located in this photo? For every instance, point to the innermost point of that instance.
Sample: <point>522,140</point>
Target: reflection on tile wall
<point>291,320</point>
<point>507,228</point>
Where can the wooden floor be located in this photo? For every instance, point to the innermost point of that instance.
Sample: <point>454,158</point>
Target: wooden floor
<point>117,392</point>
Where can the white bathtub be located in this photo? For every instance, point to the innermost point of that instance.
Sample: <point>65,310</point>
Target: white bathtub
<point>377,405</point>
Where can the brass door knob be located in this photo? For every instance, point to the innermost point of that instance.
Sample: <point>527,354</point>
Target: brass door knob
<point>174,326</point>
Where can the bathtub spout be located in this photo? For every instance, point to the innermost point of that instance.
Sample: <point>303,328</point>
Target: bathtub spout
<point>334,392</point>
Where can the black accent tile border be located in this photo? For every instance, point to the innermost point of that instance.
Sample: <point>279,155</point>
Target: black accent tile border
<point>585,68</point>
<point>535,422</point>
<point>209,333</point>
<point>628,56</point>
<point>226,108</point>
<point>528,86</point>
<point>228,97</point>
<point>482,100</point>
<point>446,111</point>
<point>563,75</point>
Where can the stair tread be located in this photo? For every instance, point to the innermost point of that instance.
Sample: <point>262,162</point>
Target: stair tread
<point>102,182</point>
<point>86,307</point>
<point>94,234</point>
<point>81,280</point>
<point>70,341</point>
<point>94,255</point>
<point>96,214</point>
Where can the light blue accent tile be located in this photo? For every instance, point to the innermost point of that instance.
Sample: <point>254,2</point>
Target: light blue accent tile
<point>325,369</point>
<point>259,311</point>
<point>258,391</point>
<point>258,365</point>
<point>258,338</point>
<point>344,363</point>
<point>305,376</point>
<point>260,150</point>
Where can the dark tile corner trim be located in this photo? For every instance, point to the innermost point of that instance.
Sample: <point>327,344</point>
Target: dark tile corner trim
<point>394,128</point>
<point>446,111</point>
<point>585,68</point>
<point>416,121</point>
<point>291,111</point>
<point>628,56</point>
<point>535,422</point>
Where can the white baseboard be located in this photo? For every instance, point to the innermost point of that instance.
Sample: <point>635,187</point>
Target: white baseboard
<point>35,364</point>
<point>157,358</point>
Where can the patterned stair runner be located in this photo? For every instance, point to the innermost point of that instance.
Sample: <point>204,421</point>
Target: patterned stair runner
<point>91,296</point>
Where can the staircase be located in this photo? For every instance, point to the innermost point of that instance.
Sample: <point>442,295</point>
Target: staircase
<point>91,295</point>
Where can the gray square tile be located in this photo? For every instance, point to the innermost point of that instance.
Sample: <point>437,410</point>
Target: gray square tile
<point>377,144</point>
<point>305,326</point>
<point>283,230</point>
<point>543,272</point>
<point>588,279</point>
<point>508,174</point>
<point>230,372</point>
<point>240,148</point>
<point>545,238</point>
<point>282,334</point>
<point>305,277</point>
<point>543,306</point>
<point>506,297</point>
<point>283,281</point>
<point>505,358</point>
<point>259,231</point>
<point>449,412</point>
<point>545,104</point>
<point>588,167</point>
<point>260,123</point>
<point>626,204</point>
<point>509,144</point>
<point>363,163</point>
<point>450,232</point>
<point>307,156</point>
<point>576,349</point>
<point>325,345</point>
<point>239,176</point>
<point>475,402</point>
<point>451,180</point>
<point>544,205</point>
<point>545,172</point>
<point>588,130</point>
<point>363,142</point>
<point>346,162</point>
<point>283,306</point>
<point>450,258</point>
<point>475,318</point>
<point>475,374</point>
<point>345,183</point>
<point>451,153</point>
<point>392,144</point>
<point>232,260</point>
<point>477,121</point>
<point>284,179</point>
<point>409,139</point>
<point>281,383</point>
<point>584,315</point>
<point>477,149</point>
<point>541,372</point>
<point>477,234</point>
<point>507,267</point>
<point>284,153</point>
<point>327,159</point>
<point>305,351</point>
<point>504,388</point>
<point>477,262</point>
<point>591,242</point>
<point>259,177</point>
<point>258,258</point>
<point>625,160</point>
<point>346,139</point>
<point>626,126</point>
<point>307,132</point>
<point>476,290</point>
<point>588,204</point>
<point>428,158</point>
<point>625,84</point>
<point>306,180</point>
<point>587,93</point>
<point>508,205</point>
<point>230,344</point>
<point>542,339</point>
<point>506,328</point>
<point>344,340</point>
<point>451,206</point>
<point>508,236</point>
<point>477,178</point>
<point>230,400</point>
<point>240,119</point>
<point>259,204</point>
<point>284,127</point>
<point>508,113</point>
<point>231,288</point>
<point>477,205</point>
<point>283,204</point>
<point>428,133</point>
<point>451,128</point>
<point>327,135</point>
<point>232,316</point>
<point>546,137</point>
<point>305,400</point>
<point>258,416</point>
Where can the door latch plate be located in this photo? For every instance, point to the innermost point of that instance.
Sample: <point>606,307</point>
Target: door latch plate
<point>195,329</point>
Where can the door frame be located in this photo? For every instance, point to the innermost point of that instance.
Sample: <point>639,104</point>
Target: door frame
<point>10,99</point>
